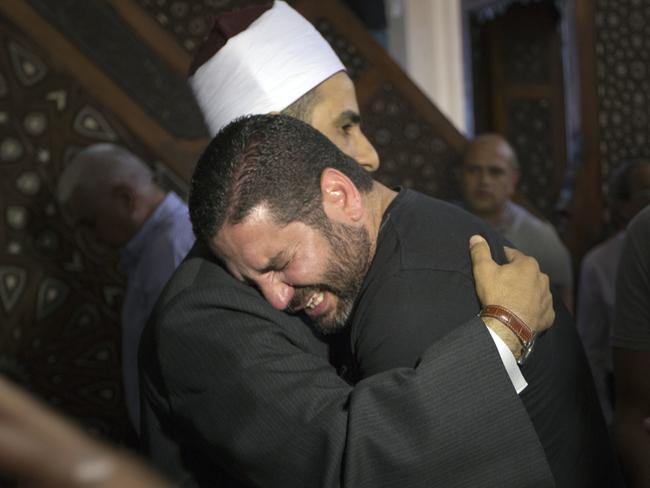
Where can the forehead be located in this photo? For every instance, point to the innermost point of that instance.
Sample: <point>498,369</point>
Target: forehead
<point>488,153</point>
<point>250,243</point>
<point>336,95</point>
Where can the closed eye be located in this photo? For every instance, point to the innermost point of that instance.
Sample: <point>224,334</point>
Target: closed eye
<point>348,120</point>
<point>277,263</point>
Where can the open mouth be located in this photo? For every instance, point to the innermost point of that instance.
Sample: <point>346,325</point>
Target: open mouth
<point>316,304</point>
<point>315,299</point>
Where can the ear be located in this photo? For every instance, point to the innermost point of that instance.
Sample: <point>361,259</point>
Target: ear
<point>342,200</point>
<point>515,178</point>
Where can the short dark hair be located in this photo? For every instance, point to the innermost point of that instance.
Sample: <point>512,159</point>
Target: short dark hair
<point>272,159</point>
<point>303,108</point>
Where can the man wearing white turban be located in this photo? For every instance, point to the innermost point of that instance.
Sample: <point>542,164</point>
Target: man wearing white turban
<point>278,63</point>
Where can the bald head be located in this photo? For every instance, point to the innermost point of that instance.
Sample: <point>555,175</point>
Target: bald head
<point>488,176</point>
<point>99,167</point>
<point>109,189</point>
<point>491,146</point>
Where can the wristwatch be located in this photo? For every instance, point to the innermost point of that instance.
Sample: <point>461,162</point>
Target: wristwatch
<point>525,334</point>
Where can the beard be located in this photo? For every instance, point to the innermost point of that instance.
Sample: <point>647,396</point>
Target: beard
<point>349,260</point>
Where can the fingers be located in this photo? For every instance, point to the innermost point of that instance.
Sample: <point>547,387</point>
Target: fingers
<point>479,249</point>
<point>531,264</point>
<point>511,253</point>
<point>483,266</point>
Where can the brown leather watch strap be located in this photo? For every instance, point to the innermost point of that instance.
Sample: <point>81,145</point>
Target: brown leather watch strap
<point>510,320</point>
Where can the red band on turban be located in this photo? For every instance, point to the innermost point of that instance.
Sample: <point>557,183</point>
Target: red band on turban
<point>226,25</point>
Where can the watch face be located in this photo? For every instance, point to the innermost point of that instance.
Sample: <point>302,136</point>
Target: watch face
<point>528,349</point>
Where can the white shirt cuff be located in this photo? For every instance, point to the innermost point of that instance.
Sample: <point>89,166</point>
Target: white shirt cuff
<point>509,362</point>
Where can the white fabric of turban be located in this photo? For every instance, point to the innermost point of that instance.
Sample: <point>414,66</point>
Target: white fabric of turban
<point>263,69</point>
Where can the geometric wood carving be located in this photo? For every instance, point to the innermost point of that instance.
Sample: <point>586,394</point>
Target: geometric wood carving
<point>12,286</point>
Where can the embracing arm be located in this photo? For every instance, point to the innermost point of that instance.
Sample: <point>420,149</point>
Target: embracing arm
<point>518,286</point>
<point>421,317</point>
<point>255,401</point>
<point>235,386</point>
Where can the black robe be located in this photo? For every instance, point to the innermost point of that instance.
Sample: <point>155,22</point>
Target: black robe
<point>420,287</point>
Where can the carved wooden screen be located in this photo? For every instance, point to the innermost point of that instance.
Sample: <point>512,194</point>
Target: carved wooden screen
<point>74,72</point>
<point>615,91</point>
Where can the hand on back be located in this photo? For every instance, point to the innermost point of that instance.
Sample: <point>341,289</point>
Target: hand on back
<point>519,285</point>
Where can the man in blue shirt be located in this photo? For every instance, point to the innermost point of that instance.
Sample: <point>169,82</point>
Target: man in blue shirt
<point>112,192</point>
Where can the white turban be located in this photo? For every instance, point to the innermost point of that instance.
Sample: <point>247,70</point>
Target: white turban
<point>263,69</point>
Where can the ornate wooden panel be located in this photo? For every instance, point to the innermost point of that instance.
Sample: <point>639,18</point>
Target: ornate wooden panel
<point>412,152</point>
<point>74,72</point>
<point>615,89</point>
<point>417,145</point>
<point>189,21</point>
<point>60,293</point>
<point>623,81</point>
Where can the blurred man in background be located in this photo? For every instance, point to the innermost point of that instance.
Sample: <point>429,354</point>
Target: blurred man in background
<point>112,192</point>
<point>630,192</point>
<point>488,176</point>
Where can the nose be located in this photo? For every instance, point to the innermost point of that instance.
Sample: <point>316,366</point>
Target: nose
<point>276,292</point>
<point>366,154</point>
<point>483,176</point>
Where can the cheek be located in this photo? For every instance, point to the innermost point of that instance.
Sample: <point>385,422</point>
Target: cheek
<point>309,269</point>
<point>471,181</point>
<point>343,143</point>
<point>359,147</point>
<point>111,230</point>
<point>510,187</point>
<point>304,272</point>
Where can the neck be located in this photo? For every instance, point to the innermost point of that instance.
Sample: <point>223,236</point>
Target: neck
<point>494,218</point>
<point>377,201</point>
